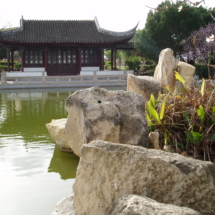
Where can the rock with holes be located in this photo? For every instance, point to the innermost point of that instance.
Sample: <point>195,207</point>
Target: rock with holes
<point>140,205</point>
<point>56,129</point>
<point>98,114</point>
<point>164,71</point>
<point>143,85</point>
<point>108,171</point>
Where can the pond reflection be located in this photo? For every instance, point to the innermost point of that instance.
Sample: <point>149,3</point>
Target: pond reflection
<point>32,169</point>
<point>64,163</point>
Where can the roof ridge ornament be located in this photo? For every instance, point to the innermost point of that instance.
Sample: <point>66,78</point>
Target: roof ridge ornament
<point>113,33</point>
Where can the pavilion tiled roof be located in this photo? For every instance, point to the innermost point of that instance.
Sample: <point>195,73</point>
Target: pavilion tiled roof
<point>69,32</point>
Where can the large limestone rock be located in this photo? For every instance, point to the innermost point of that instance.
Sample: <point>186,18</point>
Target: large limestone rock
<point>186,71</point>
<point>65,206</point>
<point>99,114</point>
<point>56,131</point>
<point>164,71</point>
<point>108,171</point>
<point>139,205</point>
<point>143,85</point>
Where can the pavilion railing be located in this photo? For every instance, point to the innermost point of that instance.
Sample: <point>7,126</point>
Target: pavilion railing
<point>73,80</point>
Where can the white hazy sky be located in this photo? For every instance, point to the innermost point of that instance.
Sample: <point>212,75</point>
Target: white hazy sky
<point>116,15</point>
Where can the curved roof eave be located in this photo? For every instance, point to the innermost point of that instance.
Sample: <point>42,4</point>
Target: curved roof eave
<point>113,33</point>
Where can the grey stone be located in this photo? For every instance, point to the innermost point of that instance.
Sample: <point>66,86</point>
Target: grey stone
<point>164,71</point>
<point>99,114</point>
<point>140,205</point>
<point>143,85</point>
<point>65,206</point>
<point>107,171</point>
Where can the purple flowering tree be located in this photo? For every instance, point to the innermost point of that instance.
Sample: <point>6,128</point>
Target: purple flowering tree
<point>200,46</point>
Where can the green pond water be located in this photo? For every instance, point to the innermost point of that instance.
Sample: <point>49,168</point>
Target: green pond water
<point>34,174</point>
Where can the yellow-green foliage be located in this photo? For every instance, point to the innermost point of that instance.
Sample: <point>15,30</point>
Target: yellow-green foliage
<point>185,119</point>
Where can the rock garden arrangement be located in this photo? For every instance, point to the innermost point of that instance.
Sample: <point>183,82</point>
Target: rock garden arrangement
<point>118,173</point>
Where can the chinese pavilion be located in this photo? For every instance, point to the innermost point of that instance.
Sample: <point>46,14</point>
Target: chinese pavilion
<point>63,47</point>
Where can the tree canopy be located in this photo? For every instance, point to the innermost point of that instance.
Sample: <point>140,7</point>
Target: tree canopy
<point>168,28</point>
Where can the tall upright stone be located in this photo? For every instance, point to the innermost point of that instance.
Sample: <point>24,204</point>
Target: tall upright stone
<point>164,71</point>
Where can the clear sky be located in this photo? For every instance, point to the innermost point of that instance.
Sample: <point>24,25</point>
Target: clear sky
<point>116,15</point>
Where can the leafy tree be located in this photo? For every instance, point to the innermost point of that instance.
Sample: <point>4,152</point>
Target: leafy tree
<point>168,28</point>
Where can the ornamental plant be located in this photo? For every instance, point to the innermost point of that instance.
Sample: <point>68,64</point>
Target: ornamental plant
<point>200,45</point>
<point>185,119</point>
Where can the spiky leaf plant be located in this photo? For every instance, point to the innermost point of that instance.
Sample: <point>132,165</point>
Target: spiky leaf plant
<point>185,119</point>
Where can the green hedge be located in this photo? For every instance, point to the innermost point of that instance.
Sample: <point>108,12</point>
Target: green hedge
<point>3,63</point>
<point>202,71</point>
<point>107,65</point>
<point>18,66</point>
<point>133,63</point>
<point>3,68</point>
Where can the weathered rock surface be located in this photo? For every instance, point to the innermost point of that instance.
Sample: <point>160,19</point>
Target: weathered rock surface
<point>186,71</point>
<point>164,71</point>
<point>65,206</point>
<point>143,85</point>
<point>154,140</point>
<point>56,129</point>
<point>99,114</point>
<point>139,205</point>
<point>108,171</point>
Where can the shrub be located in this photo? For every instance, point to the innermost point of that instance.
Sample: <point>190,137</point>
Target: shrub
<point>18,66</point>
<point>3,68</point>
<point>3,63</point>
<point>202,71</point>
<point>185,119</point>
<point>107,65</point>
<point>133,63</point>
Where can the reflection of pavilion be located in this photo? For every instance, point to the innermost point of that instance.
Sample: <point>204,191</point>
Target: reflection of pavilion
<point>64,163</point>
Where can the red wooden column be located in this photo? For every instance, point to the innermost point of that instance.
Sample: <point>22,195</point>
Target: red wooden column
<point>22,58</point>
<point>111,58</point>
<point>101,59</point>
<point>12,60</point>
<point>46,59</point>
<point>8,59</point>
<point>79,59</point>
<point>114,58</point>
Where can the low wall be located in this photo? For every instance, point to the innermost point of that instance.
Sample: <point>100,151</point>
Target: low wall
<point>43,81</point>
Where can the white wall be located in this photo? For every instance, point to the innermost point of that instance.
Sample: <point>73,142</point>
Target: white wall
<point>90,68</point>
<point>24,74</point>
<point>106,72</point>
<point>40,69</point>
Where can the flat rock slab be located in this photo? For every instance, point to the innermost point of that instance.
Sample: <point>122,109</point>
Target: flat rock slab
<point>140,205</point>
<point>107,171</point>
<point>98,114</point>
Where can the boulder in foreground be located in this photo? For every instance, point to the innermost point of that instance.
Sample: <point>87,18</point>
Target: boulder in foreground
<point>108,171</point>
<point>98,114</point>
